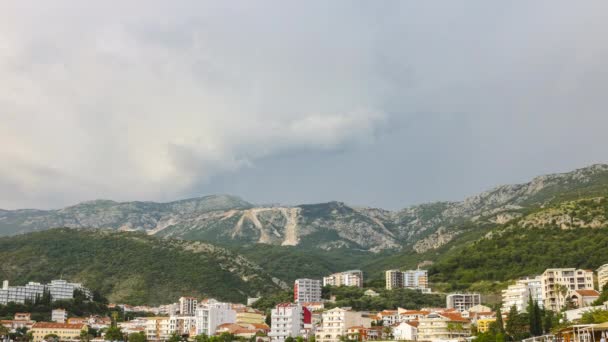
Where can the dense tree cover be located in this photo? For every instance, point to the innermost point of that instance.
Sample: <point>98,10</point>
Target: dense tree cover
<point>42,307</point>
<point>127,267</point>
<point>268,302</point>
<point>518,252</point>
<point>595,316</point>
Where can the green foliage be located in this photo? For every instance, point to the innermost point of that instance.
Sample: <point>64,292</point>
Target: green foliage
<point>517,325</point>
<point>41,309</point>
<point>594,316</point>
<point>137,337</point>
<point>129,267</point>
<point>518,252</point>
<point>268,302</point>
<point>535,317</point>
<point>114,334</point>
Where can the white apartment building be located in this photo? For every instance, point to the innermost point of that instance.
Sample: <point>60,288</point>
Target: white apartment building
<point>187,306</point>
<point>59,289</point>
<point>519,294</point>
<point>59,315</point>
<point>557,283</point>
<point>394,279</point>
<point>462,301</point>
<point>288,319</point>
<point>348,278</point>
<point>307,290</point>
<point>210,314</point>
<point>335,323</point>
<point>602,277</point>
<point>416,279</point>
<point>406,331</point>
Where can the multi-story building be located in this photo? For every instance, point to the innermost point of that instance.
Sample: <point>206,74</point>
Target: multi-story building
<point>557,283</point>
<point>288,320</point>
<point>335,323</point>
<point>394,279</point>
<point>519,294</point>
<point>307,290</point>
<point>59,315</point>
<point>462,301</point>
<point>443,326</point>
<point>411,279</point>
<point>416,279</point>
<point>65,332</point>
<point>157,328</point>
<point>187,306</point>
<point>483,325</point>
<point>602,276</point>
<point>348,278</point>
<point>250,316</point>
<point>406,331</point>
<point>211,313</point>
<point>58,289</point>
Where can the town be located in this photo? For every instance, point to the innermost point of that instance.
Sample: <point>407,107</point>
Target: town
<point>572,310</point>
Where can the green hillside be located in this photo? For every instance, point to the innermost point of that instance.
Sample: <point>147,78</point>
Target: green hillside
<point>132,267</point>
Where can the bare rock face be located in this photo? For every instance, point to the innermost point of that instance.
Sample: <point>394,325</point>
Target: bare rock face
<point>231,220</point>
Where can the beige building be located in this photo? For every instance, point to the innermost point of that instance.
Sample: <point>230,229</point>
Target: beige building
<point>394,279</point>
<point>519,294</point>
<point>348,278</point>
<point>336,322</point>
<point>602,276</point>
<point>558,283</point>
<point>250,316</point>
<point>66,332</point>
<point>443,326</point>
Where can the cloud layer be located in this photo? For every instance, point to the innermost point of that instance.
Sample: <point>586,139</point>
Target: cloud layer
<point>154,101</point>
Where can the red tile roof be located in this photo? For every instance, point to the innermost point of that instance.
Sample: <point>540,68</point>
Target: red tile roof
<point>51,325</point>
<point>588,293</point>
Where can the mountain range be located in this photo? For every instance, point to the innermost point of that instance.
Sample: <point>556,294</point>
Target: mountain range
<point>225,247</point>
<point>232,221</point>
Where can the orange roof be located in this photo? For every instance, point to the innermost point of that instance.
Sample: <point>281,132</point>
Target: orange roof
<point>260,326</point>
<point>588,293</point>
<point>51,325</point>
<point>358,327</point>
<point>414,312</point>
<point>413,323</point>
<point>453,316</point>
<point>244,331</point>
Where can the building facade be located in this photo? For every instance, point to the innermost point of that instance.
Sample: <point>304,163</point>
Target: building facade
<point>602,276</point>
<point>210,314</point>
<point>335,323</point>
<point>519,294</point>
<point>59,315</point>
<point>66,332</point>
<point>348,278</point>
<point>288,320</point>
<point>462,301</point>
<point>557,283</point>
<point>443,327</point>
<point>416,279</point>
<point>58,289</point>
<point>187,306</point>
<point>307,290</point>
<point>394,279</point>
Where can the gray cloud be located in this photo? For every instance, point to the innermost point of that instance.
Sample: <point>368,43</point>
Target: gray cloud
<point>386,103</point>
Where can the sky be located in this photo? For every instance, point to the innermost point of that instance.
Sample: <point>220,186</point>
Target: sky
<point>373,103</point>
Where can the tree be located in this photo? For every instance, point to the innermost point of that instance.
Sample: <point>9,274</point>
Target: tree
<point>562,290</point>
<point>137,337</point>
<point>548,321</point>
<point>84,336</point>
<point>51,337</point>
<point>534,317</point>
<point>201,338</point>
<point>499,323</point>
<point>268,320</point>
<point>3,330</point>
<point>174,338</point>
<point>114,334</point>
<point>290,339</point>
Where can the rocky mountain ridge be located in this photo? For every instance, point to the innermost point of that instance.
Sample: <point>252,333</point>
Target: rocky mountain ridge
<point>228,219</point>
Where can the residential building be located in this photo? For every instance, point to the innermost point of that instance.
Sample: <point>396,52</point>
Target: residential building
<point>288,320</point>
<point>59,315</point>
<point>394,279</point>
<point>388,317</point>
<point>336,321</point>
<point>462,301</point>
<point>157,328</point>
<point>443,326</point>
<point>519,294</point>
<point>66,332</point>
<point>557,283</point>
<point>483,325</point>
<point>348,278</point>
<point>406,331</point>
<point>187,306</point>
<point>411,315</point>
<point>58,289</point>
<point>416,279</point>
<point>250,316</point>
<point>307,290</point>
<point>211,313</point>
<point>583,298</point>
<point>602,276</point>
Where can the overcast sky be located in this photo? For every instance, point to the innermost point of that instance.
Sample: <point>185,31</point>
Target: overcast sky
<point>375,103</point>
